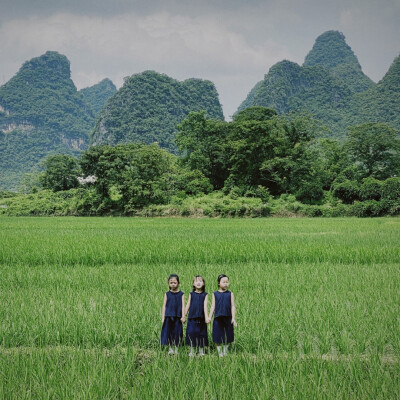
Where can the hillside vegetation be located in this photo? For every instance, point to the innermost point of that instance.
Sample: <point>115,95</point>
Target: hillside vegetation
<point>149,106</point>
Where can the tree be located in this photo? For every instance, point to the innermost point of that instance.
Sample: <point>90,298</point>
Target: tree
<point>147,177</point>
<point>132,176</point>
<point>334,159</point>
<point>276,153</point>
<point>202,144</point>
<point>61,173</point>
<point>375,148</point>
<point>258,148</point>
<point>255,113</point>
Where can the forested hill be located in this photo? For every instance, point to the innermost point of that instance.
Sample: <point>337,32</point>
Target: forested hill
<point>98,94</point>
<point>333,53</point>
<point>41,113</point>
<point>150,105</point>
<point>331,86</point>
<point>381,102</point>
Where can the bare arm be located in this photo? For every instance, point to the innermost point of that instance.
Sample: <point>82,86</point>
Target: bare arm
<point>233,310</point>
<point>183,319</point>
<point>188,304</point>
<point>212,308</point>
<point>206,308</point>
<point>163,308</point>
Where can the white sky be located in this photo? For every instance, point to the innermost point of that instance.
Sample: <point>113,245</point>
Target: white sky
<point>230,42</point>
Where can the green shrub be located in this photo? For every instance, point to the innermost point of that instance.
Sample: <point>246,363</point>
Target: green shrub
<point>313,211</point>
<point>310,192</point>
<point>391,189</point>
<point>4,194</point>
<point>347,191</point>
<point>369,208</point>
<point>371,189</point>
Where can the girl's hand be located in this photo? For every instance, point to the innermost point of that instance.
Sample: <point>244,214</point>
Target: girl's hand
<point>183,319</point>
<point>234,322</point>
<point>208,320</point>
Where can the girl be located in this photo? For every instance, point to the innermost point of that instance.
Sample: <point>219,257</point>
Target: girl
<point>173,315</point>
<point>197,305</point>
<point>225,312</point>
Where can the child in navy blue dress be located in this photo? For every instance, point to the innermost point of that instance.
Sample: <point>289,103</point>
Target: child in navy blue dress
<point>225,313</point>
<point>173,315</point>
<point>197,305</point>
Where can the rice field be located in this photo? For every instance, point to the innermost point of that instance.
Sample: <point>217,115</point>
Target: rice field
<point>318,308</point>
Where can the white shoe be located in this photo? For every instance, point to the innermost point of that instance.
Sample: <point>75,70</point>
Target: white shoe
<point>191,354</point>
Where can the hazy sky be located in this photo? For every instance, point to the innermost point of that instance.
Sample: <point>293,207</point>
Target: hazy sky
<point>232,43</point>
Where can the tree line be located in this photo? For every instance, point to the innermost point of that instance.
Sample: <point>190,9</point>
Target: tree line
<point>259,154</point>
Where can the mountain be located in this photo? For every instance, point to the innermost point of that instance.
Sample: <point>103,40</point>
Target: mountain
<point>290,87</point>
<point>41,113</point>
<point>333,53</point>
<point>331,86</point>
<point>149,106</point>
<point>97,95</point>
<point>381,103</point>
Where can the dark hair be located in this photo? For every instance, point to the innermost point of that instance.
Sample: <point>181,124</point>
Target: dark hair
<point>220,277</point>
<point>204,281</point>
<point>173,276</point>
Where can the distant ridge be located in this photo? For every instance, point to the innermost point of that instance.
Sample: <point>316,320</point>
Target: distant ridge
<point>97,95</point>
<point>331,86</point>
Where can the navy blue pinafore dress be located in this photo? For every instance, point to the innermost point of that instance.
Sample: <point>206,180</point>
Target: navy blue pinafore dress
<point>222,324</point>
<point>196,331</point>
<point>172,329</point>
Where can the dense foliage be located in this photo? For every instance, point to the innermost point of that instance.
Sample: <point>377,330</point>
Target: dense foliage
<point>259,164</point>
<point>149,106</point>
<point>133,176</point>
<point>61,173</point>
<point>97,95</point>
<point>255,149</point>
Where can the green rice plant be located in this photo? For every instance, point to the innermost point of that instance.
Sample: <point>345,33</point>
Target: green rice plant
<point>317,307</point>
